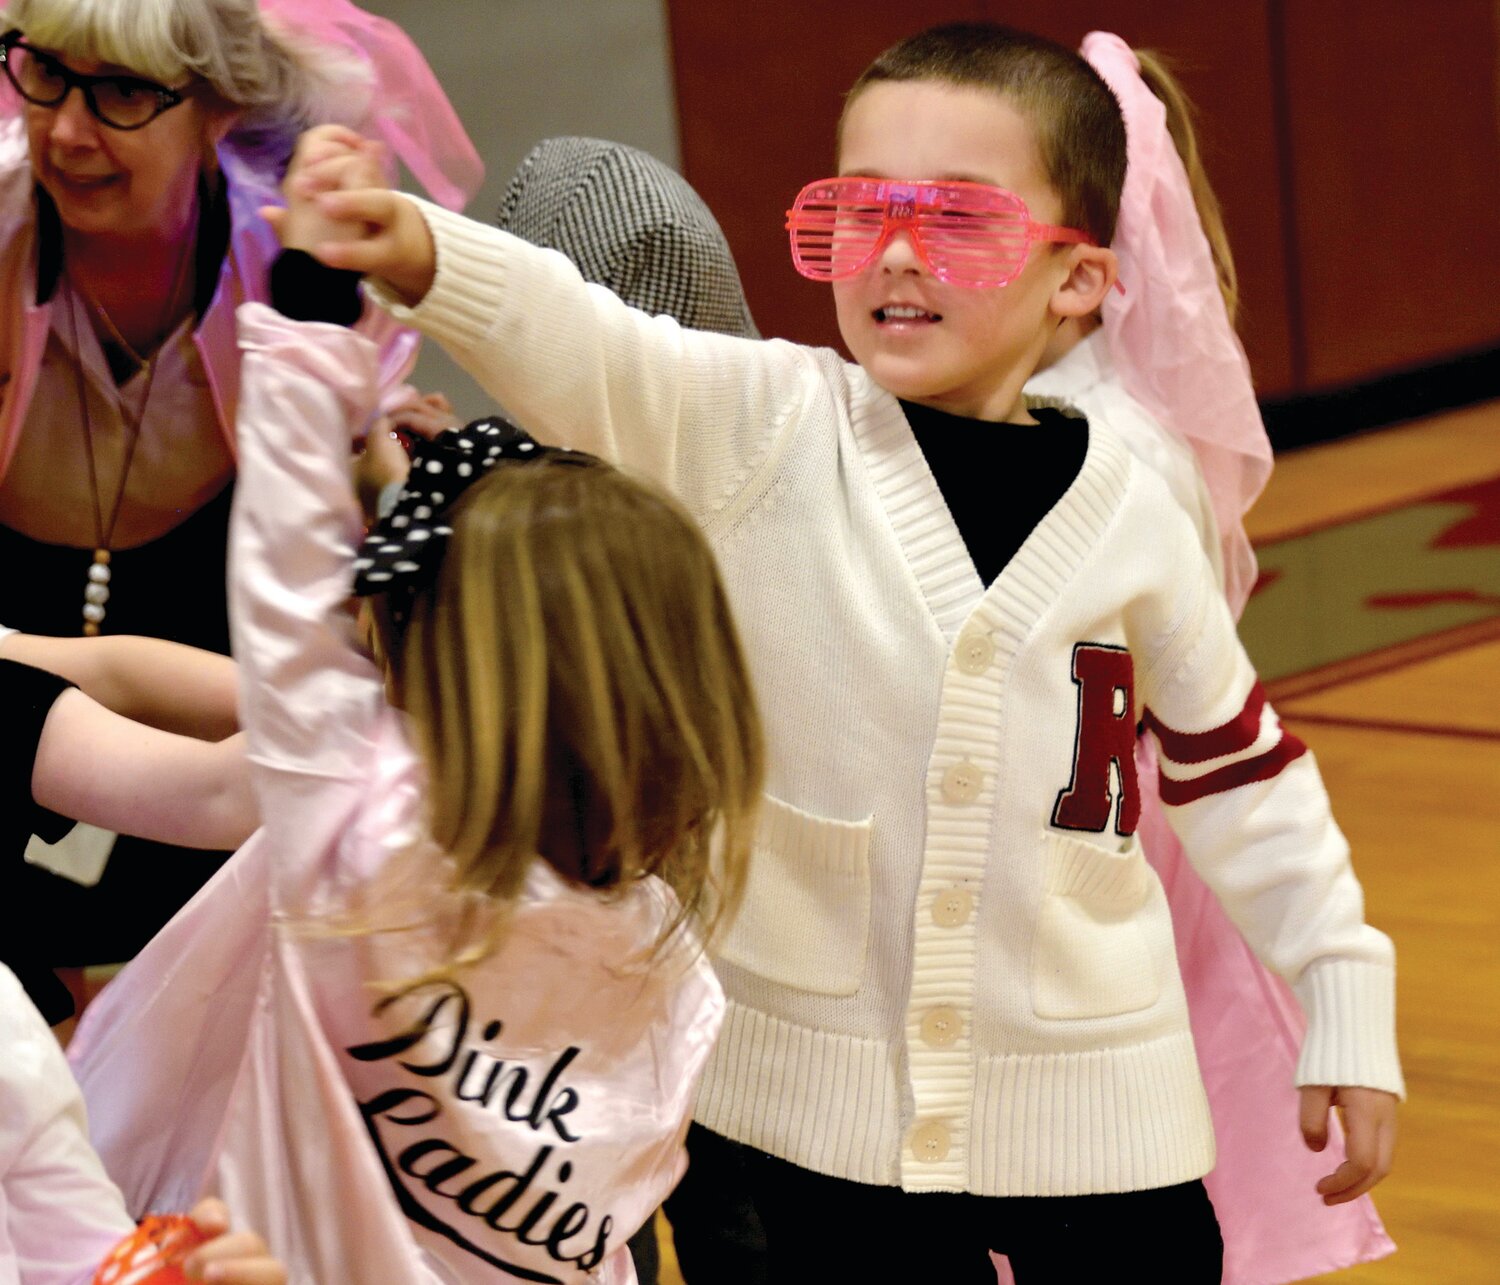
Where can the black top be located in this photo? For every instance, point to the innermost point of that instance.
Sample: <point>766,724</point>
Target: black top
<point>26,696</point>
<point>999,480</point>
<point>171,587</point>
<point>306,290</point>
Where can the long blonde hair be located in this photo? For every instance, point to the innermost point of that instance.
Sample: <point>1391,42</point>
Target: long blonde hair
<point>1156,73</point>
<point>578,693</point>
<point>279,84</point>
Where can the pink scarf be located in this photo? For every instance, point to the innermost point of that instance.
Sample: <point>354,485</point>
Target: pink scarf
<point>1169,333</point>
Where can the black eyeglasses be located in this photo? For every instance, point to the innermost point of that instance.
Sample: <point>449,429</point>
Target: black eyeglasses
<point>121,102</point>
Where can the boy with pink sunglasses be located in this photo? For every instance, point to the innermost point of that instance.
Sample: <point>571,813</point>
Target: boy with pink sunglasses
<point>955,1011</point>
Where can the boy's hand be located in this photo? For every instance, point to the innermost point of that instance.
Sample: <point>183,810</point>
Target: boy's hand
<point>394,243</point>
<point>340,211</point>
<point>1369,1137</point>
<point>230,1259</point>
<point>326,158</point>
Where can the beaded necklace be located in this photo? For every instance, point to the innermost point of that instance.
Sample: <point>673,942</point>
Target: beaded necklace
<point>97,588</point>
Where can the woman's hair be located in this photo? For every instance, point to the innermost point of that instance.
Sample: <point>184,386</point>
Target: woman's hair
<point>279,84</point>
<point>1080,134</point>
<point>578,692</point>
<point>1156,72</point>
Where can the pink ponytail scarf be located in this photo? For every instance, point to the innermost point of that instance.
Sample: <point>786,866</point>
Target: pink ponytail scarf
<point>1173,348</point>
<point>1169,334</point>
<point>410,112</point>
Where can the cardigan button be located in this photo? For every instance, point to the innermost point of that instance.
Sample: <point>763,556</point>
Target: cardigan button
<point>930,1142</point>
<point>952,908</point>
<point>974,653</point>
<point>962,783</point>
<point>941,1028</point>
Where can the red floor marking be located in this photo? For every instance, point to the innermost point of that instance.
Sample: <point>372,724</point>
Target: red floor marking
<point>1484,522</point>
<point>1386,660</point>
<point>1385,725</point>
<point>1431,598</point>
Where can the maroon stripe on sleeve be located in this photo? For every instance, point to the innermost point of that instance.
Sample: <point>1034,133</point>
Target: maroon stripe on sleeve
<point>1239,733</point>
<point>1260,768</point>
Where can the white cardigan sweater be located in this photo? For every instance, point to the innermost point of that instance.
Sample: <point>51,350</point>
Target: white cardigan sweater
<point>954,969</point>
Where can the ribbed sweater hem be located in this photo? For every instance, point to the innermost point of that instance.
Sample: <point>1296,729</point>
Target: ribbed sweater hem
<point>1050,1124</point>
<point>828,1102</point>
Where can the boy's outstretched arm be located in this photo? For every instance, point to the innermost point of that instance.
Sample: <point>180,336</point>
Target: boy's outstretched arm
<point>705,415</point>
<point>165,685</point>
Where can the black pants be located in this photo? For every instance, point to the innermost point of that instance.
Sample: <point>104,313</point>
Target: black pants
<point>821,1230</point>
<point>715,1227</point>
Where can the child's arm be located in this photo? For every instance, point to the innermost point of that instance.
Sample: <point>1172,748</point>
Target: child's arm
<point>63,1215</point>
<point>699,412</point>
<point>163,684</point>
<point>230,1258</point>
<point>311,700</point>
<point>95,766</point>
<point>1248,803</point>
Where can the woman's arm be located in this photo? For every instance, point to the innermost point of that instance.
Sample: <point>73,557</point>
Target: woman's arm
<point>96,766</point>
<point>165,685</point>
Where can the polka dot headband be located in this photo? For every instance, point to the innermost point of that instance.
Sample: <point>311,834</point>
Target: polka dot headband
<point>403,551</point>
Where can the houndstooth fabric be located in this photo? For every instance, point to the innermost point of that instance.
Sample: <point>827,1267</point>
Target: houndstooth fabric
<point>632,224</point>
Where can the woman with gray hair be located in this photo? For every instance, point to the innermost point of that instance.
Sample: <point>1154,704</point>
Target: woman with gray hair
<point>129,234</point>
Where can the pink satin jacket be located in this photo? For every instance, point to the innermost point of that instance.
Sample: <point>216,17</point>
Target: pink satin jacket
<point>517,1121</point>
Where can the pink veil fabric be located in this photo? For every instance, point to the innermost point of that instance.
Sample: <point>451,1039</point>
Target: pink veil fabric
<point>1168,333</point>
<point>410,113</point>
<point>1174,350</point>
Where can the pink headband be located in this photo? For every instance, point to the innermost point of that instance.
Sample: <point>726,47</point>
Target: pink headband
<point>1169,335</point>
<point>411,113</point>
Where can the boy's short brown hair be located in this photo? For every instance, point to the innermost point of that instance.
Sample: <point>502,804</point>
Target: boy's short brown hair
<point>1080,133</point>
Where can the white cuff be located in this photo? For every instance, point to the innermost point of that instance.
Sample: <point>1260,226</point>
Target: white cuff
<point>1351,1025</point>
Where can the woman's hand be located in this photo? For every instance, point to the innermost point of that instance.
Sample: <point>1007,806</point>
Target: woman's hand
<point>238,1258</point>
<point>1369,1137</point>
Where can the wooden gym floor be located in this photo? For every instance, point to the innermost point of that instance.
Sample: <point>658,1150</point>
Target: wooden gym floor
<point>1380,560</point>
<point>1377,629</point>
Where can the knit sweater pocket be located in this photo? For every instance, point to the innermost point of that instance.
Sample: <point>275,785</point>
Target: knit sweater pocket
<point>1098,951</point>
<point>805,918</point>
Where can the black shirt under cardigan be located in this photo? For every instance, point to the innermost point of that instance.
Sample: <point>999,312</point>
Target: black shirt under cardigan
<point>999,480</point>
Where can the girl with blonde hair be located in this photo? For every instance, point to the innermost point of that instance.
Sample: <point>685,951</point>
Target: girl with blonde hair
<point>481,1010</point>
<point>138,141</point>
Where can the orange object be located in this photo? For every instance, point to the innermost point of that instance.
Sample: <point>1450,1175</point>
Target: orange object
<point>153,1253</point>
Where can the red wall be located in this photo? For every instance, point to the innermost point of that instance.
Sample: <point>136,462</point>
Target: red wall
<point>1353,144</point>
